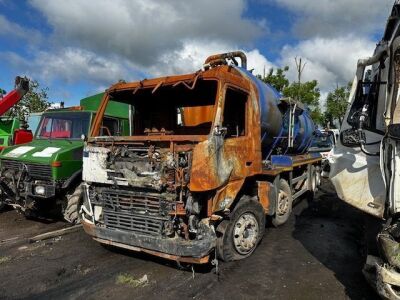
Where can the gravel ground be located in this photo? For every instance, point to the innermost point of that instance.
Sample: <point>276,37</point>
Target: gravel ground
<point>316,255</point>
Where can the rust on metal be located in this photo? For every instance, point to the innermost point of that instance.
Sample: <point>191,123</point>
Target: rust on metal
<point>263,192</point>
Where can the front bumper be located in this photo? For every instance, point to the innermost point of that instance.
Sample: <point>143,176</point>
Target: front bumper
<point>191,251</point>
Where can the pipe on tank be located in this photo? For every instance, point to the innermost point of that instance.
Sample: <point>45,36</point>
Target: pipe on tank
<point>221,58</point>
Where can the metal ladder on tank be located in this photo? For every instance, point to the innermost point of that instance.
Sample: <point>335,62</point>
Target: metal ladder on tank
<point>292,112</point>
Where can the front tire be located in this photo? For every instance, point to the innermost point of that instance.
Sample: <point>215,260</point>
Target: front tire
<point>73,205</point>
<point>238,237</point>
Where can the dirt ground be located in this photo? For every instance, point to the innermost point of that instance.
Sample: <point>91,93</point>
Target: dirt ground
<point>316,255</point>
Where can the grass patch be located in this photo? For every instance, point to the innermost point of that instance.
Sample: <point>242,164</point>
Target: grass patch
<point>4,259</point>
<point>128,279</point>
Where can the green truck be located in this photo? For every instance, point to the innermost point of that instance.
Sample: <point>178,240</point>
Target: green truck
<point>8,125</point>
<point>45,174</point>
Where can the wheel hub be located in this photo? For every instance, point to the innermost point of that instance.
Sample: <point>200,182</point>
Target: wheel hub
<point>245,233</point>
<point>283,203</point>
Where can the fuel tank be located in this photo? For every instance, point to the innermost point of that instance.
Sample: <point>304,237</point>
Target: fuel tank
<point>275,121</point>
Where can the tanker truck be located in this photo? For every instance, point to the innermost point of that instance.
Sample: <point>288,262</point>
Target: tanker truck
<point>365,164</point>
<point>211,157</point>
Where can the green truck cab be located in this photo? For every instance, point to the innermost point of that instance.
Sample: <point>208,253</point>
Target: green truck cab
<point>45,174</point>
<point>8,125</point>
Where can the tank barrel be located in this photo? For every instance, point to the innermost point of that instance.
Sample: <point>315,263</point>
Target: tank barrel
<point>286,124</point>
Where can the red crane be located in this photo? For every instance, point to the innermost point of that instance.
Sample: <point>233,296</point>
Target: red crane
<point>22,135</point>
<point>13,97</point>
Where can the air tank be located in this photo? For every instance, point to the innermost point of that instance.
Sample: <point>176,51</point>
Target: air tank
<point>274,120</point>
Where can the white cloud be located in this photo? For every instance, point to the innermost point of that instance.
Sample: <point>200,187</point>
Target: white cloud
<point>327,18</point>
<point>331,61</point>
<point>72,65</point>
<point>12,30</point>
<point>193,54</point>
<point>144,31</point>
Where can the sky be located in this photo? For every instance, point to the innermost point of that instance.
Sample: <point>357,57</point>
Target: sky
<point>77,48</point>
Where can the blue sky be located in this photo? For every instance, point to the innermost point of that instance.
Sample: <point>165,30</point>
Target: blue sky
<point>77,48</point>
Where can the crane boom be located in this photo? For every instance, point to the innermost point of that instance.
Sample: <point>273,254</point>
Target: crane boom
<point>13,97</point>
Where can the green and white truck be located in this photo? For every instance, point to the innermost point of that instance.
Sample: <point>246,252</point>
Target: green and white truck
<point>45,175</point>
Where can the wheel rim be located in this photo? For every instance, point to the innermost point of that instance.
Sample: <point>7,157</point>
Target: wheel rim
<point>245,233</point>
<point>318,179</point>
<point>314,182</point>
<point>283,203</point>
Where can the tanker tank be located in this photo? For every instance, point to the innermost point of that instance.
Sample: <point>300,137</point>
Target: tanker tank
<point>275,121</point>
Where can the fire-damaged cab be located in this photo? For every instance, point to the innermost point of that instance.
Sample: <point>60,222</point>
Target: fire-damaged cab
<point>191,177</point>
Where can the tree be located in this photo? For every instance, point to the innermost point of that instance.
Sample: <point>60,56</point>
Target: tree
<point>318,116</point>
<point>2,93</point>
<point>307,92</point>
<point>35,100</point>
<point>336,102</point>
<point>277,80</point>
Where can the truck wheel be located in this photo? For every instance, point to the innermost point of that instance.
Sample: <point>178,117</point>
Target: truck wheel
<point>318,175</point>
<point>283,204</point>
<point>238,237</point>
<point>313,185</point>
<point>2,201</point>
<point>73,204</point>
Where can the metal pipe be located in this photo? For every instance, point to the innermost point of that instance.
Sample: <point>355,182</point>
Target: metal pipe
<point>373,59</point>
<point>229,55</point>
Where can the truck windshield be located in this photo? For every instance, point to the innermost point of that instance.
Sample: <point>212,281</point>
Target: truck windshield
<point>175,109</point>
<point>66,125</point>
<point>322,142</point>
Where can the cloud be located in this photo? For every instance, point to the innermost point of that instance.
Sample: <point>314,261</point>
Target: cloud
<point>144,31</point>
<point>331,61</point>
<point>327,18</point>
<point>71,65</point>
<point>12,30</point>
<point>193,54</point>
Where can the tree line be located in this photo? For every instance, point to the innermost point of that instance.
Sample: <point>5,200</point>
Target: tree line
<point>36,100</point>
<point>309,93</point>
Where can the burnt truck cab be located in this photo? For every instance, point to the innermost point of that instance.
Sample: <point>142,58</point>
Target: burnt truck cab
<point>193,162</point>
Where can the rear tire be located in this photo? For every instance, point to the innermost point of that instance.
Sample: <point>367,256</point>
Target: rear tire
<point>73,205</point>
<point>315,183</point>
<point>284,204</point>
<point>2,201</point>
<point>238,237</point>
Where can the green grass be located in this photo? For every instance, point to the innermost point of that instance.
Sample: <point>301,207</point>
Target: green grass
<point>4,259</point>
<point>129,280</point>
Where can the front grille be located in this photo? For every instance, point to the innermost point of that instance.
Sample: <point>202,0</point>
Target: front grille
<point>141,224</point>
<point>34,170</point>
<point>141,213</point>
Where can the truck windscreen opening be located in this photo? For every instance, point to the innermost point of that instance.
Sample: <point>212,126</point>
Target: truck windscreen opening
<point>174,109</point>
<point>67,125</point>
